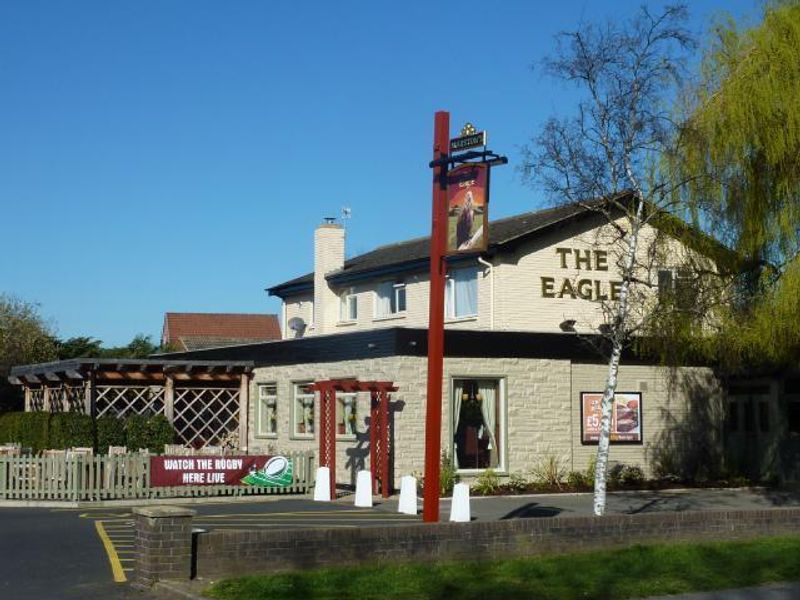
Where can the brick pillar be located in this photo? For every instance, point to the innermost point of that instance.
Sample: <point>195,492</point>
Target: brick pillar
<point>163,544</point>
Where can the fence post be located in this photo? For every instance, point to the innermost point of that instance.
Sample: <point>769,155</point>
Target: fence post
<point>163,544</point>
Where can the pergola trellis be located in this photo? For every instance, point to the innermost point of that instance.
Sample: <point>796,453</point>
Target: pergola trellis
<point>206,401</point>
<point>379,434</point>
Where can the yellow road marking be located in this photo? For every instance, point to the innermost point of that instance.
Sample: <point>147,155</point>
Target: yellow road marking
<point>113,558</point>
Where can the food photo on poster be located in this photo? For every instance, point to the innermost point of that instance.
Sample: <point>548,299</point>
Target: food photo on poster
<point>626,417</point>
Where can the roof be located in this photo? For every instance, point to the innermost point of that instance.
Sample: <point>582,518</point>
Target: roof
<point>403,341</point>
<point>504,234</point>
<point>79,369</point>
<point>404,256</point>
<point>202,330</point>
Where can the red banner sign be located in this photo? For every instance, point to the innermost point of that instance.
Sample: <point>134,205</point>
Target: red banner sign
<point>203,470</point>
<point>467,208</point>
<point>626,417</point>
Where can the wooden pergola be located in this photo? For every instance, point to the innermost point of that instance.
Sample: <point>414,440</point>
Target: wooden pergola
<point>379,434</point>
<point>206,401</point>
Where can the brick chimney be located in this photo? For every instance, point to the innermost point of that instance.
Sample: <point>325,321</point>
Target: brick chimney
<point>328,257</point>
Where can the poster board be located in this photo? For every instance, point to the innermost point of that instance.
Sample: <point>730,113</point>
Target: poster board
<point>626,418</point>
<point>274,471</point>
<point>467,208</point>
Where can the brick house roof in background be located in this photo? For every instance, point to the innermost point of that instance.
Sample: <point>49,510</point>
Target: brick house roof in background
<point>192,331</point>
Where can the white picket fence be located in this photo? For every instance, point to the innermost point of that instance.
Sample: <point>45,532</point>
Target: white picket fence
<point>120,477</point>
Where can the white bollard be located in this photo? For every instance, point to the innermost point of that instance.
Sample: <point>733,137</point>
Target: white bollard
<point>364,489</point>
<point>408,495</point>
<point>322,487</point>
<point>459,509</point>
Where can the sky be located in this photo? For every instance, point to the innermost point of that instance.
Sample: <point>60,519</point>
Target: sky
<point>176,155</point>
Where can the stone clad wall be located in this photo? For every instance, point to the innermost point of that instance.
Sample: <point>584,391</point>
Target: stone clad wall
<point>542,416</point>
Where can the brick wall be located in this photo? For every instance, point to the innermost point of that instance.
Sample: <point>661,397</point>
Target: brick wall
<point>228,553</point>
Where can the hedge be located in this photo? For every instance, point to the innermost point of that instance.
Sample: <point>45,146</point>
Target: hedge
<point>41,431</point>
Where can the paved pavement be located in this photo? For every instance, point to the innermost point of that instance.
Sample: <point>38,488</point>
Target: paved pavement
<point>775,591</point>
<point>77,553</point>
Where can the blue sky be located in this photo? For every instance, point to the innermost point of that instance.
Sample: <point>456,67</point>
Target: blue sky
<point>176,155</point>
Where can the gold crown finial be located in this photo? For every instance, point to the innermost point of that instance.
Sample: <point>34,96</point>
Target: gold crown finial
<point>468,129</point>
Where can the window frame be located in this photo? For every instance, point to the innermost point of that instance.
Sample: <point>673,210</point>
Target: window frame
<point>502,416</point>
<point>297,398</point>
<point>396,288</point>
<point>261,431</point>
<point>348,304</point>
<point>340,404</point>
<point>450,296</point>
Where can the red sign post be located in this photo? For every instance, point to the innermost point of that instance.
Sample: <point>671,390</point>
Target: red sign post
<point>438,271</point>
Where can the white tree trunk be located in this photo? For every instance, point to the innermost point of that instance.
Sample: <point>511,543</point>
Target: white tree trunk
<point>617,335</point>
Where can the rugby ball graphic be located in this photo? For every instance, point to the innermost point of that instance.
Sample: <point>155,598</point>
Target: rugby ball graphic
<point>277,472</point>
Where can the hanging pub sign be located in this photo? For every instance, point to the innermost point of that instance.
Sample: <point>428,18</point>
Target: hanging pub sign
<point>270,471</point>
<point>626,418</point>
<point>469,138</point>
<point>467,208</point>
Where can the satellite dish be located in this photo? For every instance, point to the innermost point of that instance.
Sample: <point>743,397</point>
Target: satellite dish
<point>297,325</point>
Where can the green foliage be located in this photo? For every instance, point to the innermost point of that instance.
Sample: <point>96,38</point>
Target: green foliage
<point>28,429</point>
<point>69,430</point>
<point>635,572</point>
<point>622,475</point>
<point>448,476</point>
<point>517,483</point>
<point>578,481</point>
<point>88,347</point>
<point>159,432</point>
<point>488,483</point>
<point>25,337</point>
<point>110,432</point>
<point>550,471</point>
<point>136,432</point>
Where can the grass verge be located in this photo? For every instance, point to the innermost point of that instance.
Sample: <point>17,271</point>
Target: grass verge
<point>635,572</point>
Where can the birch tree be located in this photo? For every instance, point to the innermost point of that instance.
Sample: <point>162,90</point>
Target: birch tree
<point>608,155</point>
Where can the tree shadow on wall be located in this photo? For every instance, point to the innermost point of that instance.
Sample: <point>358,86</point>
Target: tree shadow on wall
<point>690,444</point>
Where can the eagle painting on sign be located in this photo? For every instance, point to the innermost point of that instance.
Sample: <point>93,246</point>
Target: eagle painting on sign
<point>467,204</point>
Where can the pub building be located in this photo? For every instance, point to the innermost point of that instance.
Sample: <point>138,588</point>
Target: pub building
<point>522,376</point>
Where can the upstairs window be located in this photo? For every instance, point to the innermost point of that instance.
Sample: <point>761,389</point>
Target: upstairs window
<point>348,308</point>
<point>677,287</point>
<point>461,293</point>
<point>390,299</point>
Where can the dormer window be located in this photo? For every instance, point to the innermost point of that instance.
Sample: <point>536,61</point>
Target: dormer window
<point>348,308</point>
<point>390,299</point>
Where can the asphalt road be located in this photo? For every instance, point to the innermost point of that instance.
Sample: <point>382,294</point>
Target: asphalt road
<point>59,553</point>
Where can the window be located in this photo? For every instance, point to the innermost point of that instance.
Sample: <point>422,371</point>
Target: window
<point>675,286</point>
<point>303,410</point>
<point>348,308</point>
<point>478,424</point>
<point>346,414</point>
<point>461,293</point>
<point>390,299</point>
<point>267,418</point>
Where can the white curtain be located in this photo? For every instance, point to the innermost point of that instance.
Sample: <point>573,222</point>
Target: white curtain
<point>458,391</point>
<point>466,292</point>
<point>488,390</point>
<point>383,299</point>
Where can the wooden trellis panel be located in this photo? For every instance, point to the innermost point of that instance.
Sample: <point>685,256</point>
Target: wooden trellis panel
<point>206,416</point>
<point>124,400</point>
<point>37,399</point>
<point>67,398</point>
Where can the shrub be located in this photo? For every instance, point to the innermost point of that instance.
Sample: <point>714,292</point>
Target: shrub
<point>578,480</point>
<point>487,483</point>
<point>517,483</point>
<point>69,430</point>
<point>631,475</point>
<point>136,432</point>
<point>110,432</point>
<point>159,432</point>
<point>448,476</point>
<point>549,472</point>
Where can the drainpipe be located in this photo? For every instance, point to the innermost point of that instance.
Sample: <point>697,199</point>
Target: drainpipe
<point>489,266</point>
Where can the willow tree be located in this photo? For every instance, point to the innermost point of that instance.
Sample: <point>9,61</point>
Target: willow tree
<point>611,147</point>
<point>742,149</point>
